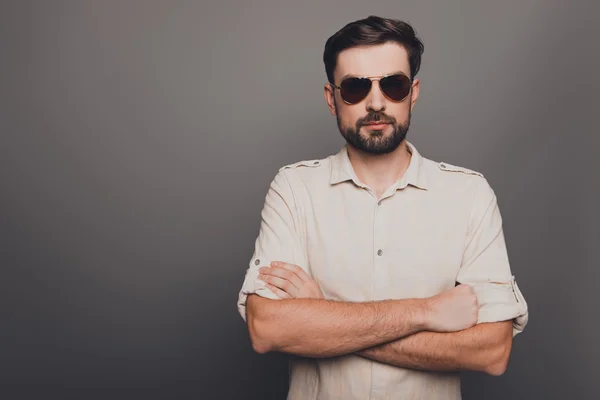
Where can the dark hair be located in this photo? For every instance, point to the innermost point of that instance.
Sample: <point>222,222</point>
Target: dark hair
<point>371,31</point>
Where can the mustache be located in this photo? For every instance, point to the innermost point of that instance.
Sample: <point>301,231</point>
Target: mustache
<point>376,117</point>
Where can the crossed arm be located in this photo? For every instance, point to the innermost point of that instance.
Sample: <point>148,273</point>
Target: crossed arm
<point>484,347</point>
<point>402,333</point>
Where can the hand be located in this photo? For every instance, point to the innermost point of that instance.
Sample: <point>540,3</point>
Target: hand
<point>453,310</point>
<point>289,281</point>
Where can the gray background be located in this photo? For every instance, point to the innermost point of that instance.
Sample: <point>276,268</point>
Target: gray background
<point>138,139</point>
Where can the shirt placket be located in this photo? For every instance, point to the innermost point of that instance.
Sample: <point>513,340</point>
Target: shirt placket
<point>379,283</point>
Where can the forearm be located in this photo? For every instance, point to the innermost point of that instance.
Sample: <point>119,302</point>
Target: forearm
<point>325,328</point>
<point>483,347</point>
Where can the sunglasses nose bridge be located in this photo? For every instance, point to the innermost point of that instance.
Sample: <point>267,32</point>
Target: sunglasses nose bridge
<point>375,98</point>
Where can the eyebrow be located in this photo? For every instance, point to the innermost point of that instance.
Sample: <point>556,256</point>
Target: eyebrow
<point>363,76</point>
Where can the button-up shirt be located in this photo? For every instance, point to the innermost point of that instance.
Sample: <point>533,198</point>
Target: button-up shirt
<point>438,225</point>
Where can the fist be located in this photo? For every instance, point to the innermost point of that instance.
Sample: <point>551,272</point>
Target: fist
<point>453,310</point>
<point>289,281</point>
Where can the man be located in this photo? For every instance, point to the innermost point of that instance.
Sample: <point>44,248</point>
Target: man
<point>382,272</point>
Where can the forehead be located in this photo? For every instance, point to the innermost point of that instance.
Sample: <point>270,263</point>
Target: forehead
<point>372,60</point>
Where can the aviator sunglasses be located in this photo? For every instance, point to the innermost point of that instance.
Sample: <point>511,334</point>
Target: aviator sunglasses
<point>354,89</point>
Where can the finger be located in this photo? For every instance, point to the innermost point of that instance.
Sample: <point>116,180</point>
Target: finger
<point>304,277</point>
<point>283,273</point>
<point>280,283</point>
<point>280,293</point>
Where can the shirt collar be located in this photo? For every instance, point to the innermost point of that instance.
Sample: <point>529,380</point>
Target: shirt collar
<point>342,170</point>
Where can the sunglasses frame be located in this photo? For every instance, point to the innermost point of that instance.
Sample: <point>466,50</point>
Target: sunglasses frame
<point>374,78</point>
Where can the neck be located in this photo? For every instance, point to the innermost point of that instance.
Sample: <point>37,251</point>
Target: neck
<point>380,171</point>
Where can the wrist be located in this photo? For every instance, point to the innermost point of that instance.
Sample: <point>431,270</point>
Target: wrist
<point>424,314</point>
<point>414,314</point>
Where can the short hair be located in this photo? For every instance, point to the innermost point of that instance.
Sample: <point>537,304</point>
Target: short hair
<point>373,30</point>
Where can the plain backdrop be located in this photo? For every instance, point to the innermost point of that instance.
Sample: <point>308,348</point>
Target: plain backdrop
<point>138,139</point>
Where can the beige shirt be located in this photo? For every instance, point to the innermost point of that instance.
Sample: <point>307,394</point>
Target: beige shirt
<point>439,224</point>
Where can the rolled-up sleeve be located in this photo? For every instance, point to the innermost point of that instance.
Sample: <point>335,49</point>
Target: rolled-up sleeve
<point>278,239</point>
<point>486,265</point>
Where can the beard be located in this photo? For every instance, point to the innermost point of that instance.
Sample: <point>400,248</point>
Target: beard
<point>377,142</point>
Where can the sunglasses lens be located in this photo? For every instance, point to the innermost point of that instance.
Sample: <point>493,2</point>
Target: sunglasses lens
<point>396,87</point>
<point>353,90</point>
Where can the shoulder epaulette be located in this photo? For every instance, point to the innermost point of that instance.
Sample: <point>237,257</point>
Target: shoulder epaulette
<point>305,163</point>
<point>444,166</point>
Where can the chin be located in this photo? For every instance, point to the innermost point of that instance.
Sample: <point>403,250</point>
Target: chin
<point>369,133</point>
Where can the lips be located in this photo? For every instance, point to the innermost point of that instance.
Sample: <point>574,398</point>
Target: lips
<point>377,125</point>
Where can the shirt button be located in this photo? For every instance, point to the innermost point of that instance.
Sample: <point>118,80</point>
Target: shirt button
<point>316,163</point>
<point>379,203</point>
<point>257,262</point>
<point>379,252</point>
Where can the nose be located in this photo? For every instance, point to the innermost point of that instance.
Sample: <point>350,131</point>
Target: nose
<point>376,99</point>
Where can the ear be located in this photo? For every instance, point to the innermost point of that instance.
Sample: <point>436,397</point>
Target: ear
<point>415,93</point>
<point>329,93</point>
